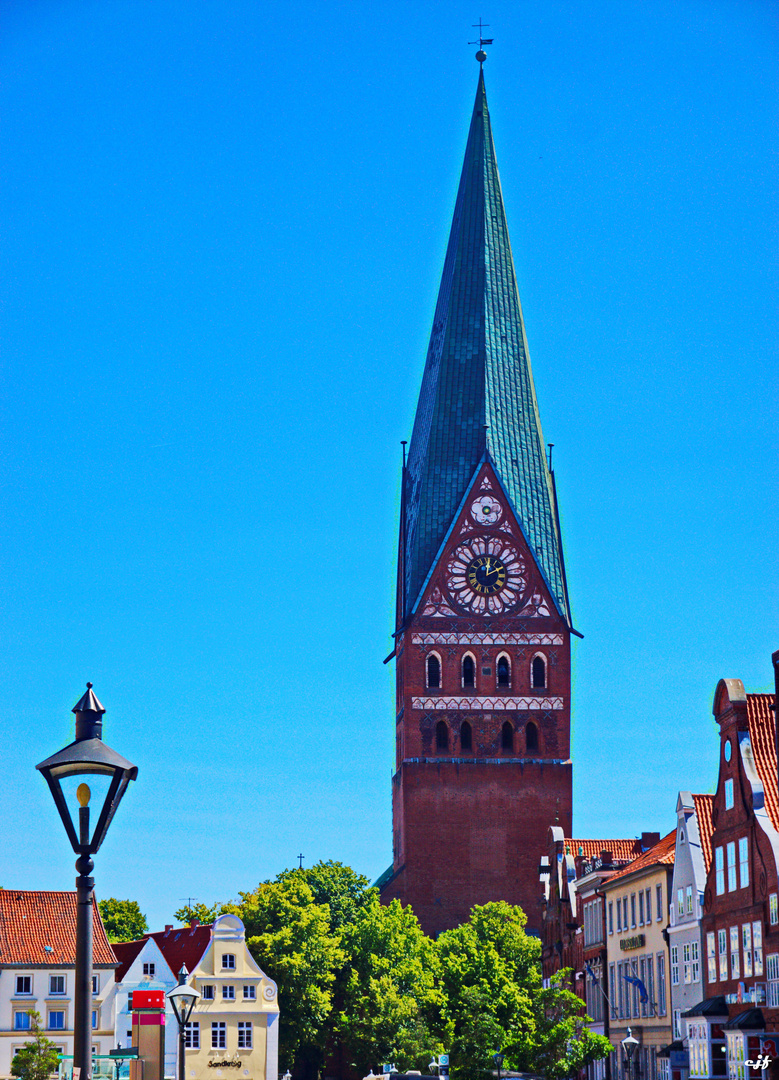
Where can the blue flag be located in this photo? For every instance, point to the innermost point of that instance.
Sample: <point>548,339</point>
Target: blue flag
<point>635,981</point>
<point>590,972</point>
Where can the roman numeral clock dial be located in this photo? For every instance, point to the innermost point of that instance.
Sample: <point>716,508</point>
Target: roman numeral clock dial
<point>486,575</point>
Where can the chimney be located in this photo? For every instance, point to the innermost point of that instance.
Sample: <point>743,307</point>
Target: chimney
<point>168,929</point>
<point>649,839</point>
<point>607,858</point>
<point>193,923</point>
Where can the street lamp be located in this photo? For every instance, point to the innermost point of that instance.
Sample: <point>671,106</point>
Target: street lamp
<point>89,756</point>
<point>182,999</point>
<point>629,1044</point>
<point>497,1057</point>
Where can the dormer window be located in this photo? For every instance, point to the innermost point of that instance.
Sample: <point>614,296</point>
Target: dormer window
<point>228,961</point>
<point>149,969</point>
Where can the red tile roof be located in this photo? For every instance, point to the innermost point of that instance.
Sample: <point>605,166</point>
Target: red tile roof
<point>703,808</point>
<point>661,854</point>
<point>621,850</point>
<point>183,945</point>
<point>762,734</point>
<point>126,952</point>
<point>34,922</point>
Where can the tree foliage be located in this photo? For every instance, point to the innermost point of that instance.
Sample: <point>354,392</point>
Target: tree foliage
<point>202,912</point>
<point>564,1045</point>
<point>37,1059</point>
<point>123,919</point>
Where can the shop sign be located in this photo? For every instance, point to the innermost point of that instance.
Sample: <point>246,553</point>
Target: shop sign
<point>635,942</point>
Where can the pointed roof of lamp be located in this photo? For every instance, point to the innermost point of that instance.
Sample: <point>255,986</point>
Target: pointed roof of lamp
<point>477,400</point>
<point>88,703</point>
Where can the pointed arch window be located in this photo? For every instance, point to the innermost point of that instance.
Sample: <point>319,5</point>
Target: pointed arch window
<point>507,736</point>
<point>531,736</point>
<point>469,671</point>
<point>538,673</point>
<point>504,670</point>
<point>433,672</point>
<point>466,736</point>
<point>441,736</point>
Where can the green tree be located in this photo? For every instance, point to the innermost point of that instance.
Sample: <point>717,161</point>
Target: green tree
<point>37,1059</point>
<point>202,912</point>
<point>290,937</point>
<point>490,972</point>
<point>123,919</point>
<point>390,996</point>
<point>564,1044</point>
<point>341,888</point>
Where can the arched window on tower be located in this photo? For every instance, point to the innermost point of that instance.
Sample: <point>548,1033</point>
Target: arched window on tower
<point>469,671</point>
<point>433,672</point>
<point>538,673</point>
<point>504,671</point>
<point>507,736</point>
<point>441,736</point>
<point>531,736</point>
<point>466,736</point>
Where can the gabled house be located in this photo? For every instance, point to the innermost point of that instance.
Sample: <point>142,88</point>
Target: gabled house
<point>686,945</point>
<point>37,972</point>
<point>142,966</point>
<point>740,923</point>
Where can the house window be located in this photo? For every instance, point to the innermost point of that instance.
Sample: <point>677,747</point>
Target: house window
<point>680,901</point>
<point>228,993</point>
<point>743,861</point>
<point>773,908</point>
<point>249,993</point>
<point>633,910</point>
<point>538,673</point>
<point>507,736</point>
<point>218,1035</point>
<point>619,915</point>
<point>466,736</point>
<point>192,1035</point>
<point>649,905</point>
<point>148,969</point>
<point>56,984</point>
<point>722,945</point>
<point>650,981</point>
<point>686,959</point>
<point>95,1024</point>
<point>746,946</point>
<point>441,736</point>
<point>719,863</point>
<point>56,1020</point>
<point>674,965</point>
<point>695,961</point>
<point>659,915</point>
<point>731,861</point>
<point>433,672</point>
<point>504,671</point>
<point>208,993</point>
<point>228,961</point>
<point>772,972</point>
<point>21,1021</point>
<point>735,964</point>
<point>531,736</point>
<point>611,916</point>
<point>612,987</point>
<point>729,794</point>
<point>677,1028</point>
<point>469,671</point>
<point>661,1004</point>
<point>24,984</point>
<point>688,898</point>
<point>244,1035</point>
<point>757,942</point>
<point>641,908</point>
<point>95,984</point>
<point>711,956</point>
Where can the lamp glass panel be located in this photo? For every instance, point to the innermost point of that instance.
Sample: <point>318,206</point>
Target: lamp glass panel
<point>98,784</point>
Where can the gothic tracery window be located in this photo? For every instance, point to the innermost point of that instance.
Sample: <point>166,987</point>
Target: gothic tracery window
<point>433,672</point>
<point>504,671</point>
<point>469,671</point>
<point>538,673</point>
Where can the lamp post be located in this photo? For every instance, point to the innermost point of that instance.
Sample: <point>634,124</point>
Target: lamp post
<point>182,998</point>
<point>629,1045</point>
<point>86,756</point>
<point>497,1057</point>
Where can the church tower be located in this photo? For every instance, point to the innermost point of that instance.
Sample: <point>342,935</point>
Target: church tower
<point>482,641</point>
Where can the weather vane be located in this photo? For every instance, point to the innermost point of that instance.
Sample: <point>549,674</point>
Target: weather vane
<point>481,55</point>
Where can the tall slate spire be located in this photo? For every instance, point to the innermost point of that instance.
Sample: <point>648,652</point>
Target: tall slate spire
<point>477,399</point>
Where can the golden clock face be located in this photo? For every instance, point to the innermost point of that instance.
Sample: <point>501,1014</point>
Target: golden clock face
<point>486,574</point>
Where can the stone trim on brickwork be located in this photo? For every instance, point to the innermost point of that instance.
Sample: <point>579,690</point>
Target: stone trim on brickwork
<point>496,704</point>
<point>439,638</point>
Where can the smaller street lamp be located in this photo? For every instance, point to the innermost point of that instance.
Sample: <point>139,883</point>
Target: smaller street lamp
<point>182,999</point>
<point>497,1057</point>
<point>629,1046</point>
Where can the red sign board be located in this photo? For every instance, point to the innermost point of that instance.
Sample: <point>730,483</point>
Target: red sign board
<point>148,999</point>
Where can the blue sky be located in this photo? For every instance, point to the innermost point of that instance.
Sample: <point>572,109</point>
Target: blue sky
<point>224,227</point>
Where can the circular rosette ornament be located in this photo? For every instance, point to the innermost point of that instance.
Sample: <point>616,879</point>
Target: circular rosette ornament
<point>486,575</point>
<point>486,510</point>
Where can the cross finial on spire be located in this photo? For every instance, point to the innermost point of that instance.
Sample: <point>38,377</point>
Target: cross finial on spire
<point>481,55</point>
